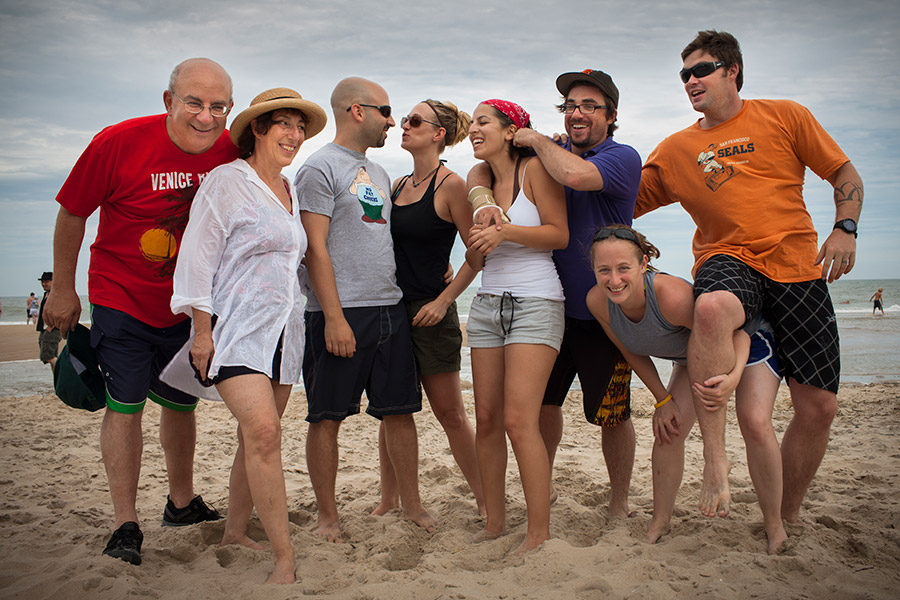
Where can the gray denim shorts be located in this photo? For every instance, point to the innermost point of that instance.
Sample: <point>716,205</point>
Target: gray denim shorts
<point>495,321</point>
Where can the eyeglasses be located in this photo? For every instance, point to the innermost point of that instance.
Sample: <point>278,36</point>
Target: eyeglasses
<point>384,109</point>
<point>195,108</point>
<point>700,70</point>
<point>416,120</point>
<point>586,109</point>
<point>622,234</point>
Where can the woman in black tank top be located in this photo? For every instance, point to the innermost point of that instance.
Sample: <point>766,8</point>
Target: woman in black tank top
<point>429,210</point>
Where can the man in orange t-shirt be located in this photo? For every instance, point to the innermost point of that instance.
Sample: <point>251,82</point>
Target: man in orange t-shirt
<point>739,173</point>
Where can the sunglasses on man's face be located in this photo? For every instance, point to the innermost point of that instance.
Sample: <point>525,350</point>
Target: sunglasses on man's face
<point>416,120</point>
<point>384,109</point>
<point>700,70</point>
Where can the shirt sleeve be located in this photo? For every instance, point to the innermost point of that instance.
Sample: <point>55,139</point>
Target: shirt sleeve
<point>620,168</point>
<point>201,249</point>
<point>315,193</point>
<point>813,145</point>
<point>91,180</point>
<point>652,192</point>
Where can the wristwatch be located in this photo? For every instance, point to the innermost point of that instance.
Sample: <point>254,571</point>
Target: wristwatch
<point>848,225</point>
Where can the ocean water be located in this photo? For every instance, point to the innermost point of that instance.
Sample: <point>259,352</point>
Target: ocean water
<point>870,346</point>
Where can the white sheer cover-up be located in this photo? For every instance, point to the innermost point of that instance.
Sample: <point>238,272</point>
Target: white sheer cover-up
<point>240,260</point>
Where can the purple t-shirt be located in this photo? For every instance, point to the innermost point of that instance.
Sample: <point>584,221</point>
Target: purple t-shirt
<point>620,167</point>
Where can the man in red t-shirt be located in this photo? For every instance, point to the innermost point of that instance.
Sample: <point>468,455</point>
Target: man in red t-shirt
<point>739,172</point>
<point>142,174</point>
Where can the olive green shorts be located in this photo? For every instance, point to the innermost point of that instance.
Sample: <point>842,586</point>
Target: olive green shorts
<point>437,348</point>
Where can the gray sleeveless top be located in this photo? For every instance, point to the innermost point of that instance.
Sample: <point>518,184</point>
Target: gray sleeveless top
<point>652,335</point>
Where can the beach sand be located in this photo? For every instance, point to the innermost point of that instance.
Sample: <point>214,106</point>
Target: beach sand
<point>55,518</point>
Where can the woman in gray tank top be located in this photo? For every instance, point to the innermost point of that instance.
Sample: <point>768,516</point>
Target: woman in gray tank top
<point>646,313</point>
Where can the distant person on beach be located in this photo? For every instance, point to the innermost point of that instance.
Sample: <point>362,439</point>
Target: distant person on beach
<point>601,179</point>
<point>48,337</point>
<point>32,307</point>
<point>738,171</point>
<point>516,321</point>
<point>142,174</point>
<point>647,313</point>
<point>429,209</point>
<point>357,331</point>
<point>239,261</point>
<point>878,303</point>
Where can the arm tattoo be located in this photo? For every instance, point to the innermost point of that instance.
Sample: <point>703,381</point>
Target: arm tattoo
<point>848,192</point>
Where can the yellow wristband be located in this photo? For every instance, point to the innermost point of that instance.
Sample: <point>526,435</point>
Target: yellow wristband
<point>663,401</point>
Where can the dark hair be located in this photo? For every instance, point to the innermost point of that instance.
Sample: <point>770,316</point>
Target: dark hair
<point>454,121</point>
<point>644,247</point>
<point>247,142</point>
<point>722,46</point>
<point>610,105</point>
<point>505,122</point>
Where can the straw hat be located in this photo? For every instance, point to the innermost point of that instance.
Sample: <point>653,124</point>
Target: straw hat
<point>273,100</point>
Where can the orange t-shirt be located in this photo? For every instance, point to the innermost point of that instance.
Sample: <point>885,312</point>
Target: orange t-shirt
<point>742,183</point>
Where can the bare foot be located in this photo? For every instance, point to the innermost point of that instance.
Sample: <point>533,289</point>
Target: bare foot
<point>618,512</point>
<point>330,531</point>
<point>715,497</point>
<point>486,534</point>
<point>385,507</point>
<point>529,544</point>
<point>657,529</point>
<point>422,518</point>
<point>777,537</point>
<point>243,540</point>
<point>283,573</point>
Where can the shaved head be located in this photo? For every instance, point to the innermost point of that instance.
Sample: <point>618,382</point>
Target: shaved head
<point>355,90</point>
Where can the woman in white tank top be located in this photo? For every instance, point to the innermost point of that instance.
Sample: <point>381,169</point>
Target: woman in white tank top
<point>516,321</point>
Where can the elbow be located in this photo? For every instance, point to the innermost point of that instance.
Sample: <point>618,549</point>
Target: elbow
<point>561,239</point>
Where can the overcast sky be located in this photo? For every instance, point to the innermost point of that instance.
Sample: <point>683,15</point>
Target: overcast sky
<point>69,68</point>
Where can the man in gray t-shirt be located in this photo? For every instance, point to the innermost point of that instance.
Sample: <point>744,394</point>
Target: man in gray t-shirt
<point>357,331</point>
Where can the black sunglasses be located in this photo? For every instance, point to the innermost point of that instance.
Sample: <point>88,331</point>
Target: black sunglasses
<point>384,109</point>
<point>700,70</point>
<point>622,234</point>
<point>416,120</point>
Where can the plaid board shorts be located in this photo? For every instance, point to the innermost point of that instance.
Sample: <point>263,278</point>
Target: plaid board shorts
<point>801,314</point>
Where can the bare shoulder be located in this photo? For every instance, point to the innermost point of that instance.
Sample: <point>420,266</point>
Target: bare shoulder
<point>596,303</point>
<point>675,297</point>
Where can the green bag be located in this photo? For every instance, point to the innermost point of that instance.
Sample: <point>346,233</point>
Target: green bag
<point>77,378</point>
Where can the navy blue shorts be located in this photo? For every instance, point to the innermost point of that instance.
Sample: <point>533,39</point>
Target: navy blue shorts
<point>132,354</point>
<point>383,366</point>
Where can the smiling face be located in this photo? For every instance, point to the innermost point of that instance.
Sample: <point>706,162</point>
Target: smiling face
<point>715,93</point>
<point>586,131</point>
<point>487,133</point>
<point>198,81</point>
<point>619,268</point>
<point>279,145</point>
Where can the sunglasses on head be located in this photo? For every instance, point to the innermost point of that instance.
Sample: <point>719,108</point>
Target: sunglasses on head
<point>416,120</point>
<point>384,109</point>
<point>700,70</point>
<point>622,234</point>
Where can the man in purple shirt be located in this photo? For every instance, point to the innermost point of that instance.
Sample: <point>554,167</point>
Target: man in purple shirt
<point>601,178</point>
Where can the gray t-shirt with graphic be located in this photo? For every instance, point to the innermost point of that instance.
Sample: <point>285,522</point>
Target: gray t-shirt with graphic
<point>355,193</point>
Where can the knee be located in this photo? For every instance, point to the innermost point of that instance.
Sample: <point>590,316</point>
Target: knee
<point>816,411</point>
<point>518,428</point>
<point>756,428</point>
<point>263,437</point>
<point>453,418</point>
<point>717,310</point>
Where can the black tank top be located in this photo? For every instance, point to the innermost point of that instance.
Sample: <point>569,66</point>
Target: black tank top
<point>422,244</point>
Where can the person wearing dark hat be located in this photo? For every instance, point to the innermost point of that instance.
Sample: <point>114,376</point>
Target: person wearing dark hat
<point>239,261</point>
<point>142,175</point>
<point>49,337</point>
<point>601,178</point>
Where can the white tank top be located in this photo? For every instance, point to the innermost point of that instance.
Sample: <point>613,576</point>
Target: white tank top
<point>525,272</point>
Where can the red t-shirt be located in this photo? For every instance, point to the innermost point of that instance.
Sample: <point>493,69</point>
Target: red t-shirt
<point>144,185</point>
<point>742,183</point>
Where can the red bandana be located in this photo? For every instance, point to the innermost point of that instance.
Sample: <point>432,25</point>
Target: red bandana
<point>512,110</point>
